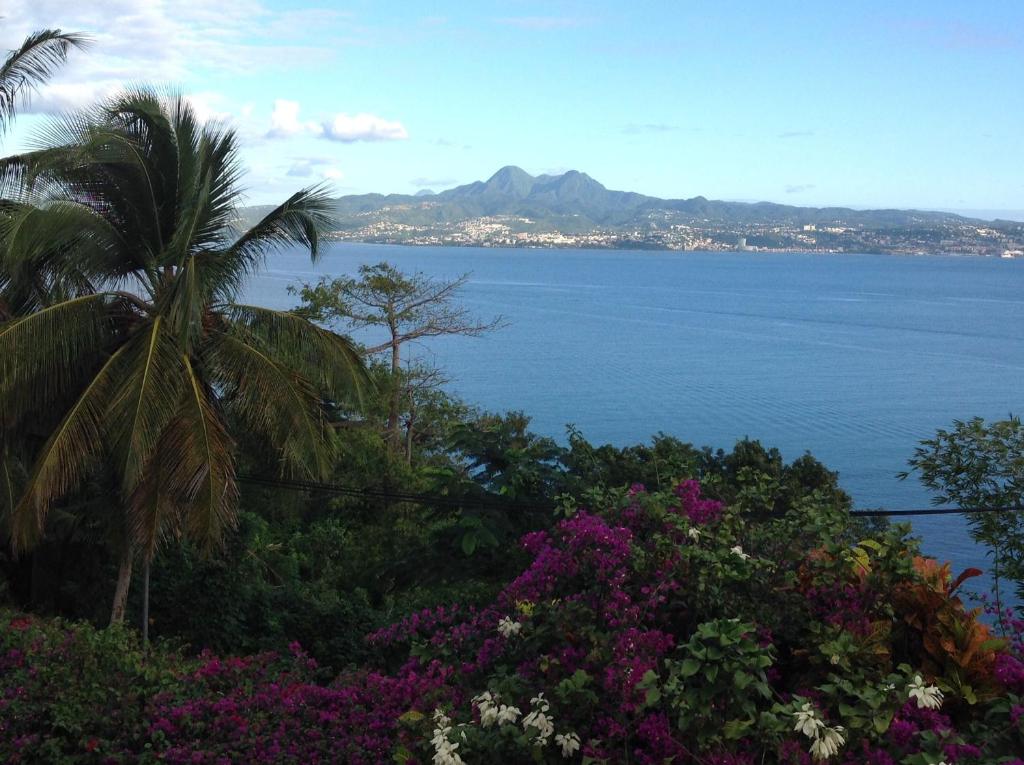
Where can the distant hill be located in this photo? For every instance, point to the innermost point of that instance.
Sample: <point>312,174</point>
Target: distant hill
<point>513,191</point>
<point>513,208</point>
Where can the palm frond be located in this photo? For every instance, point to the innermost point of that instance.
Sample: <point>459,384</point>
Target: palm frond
<point>57,251</point>
<point>63,461</point>
<point>299,220</point>
<point>10,479</point>
<point>183,301</point>
<point>207,185</point>
<point>189,484</point>
<point>152,514</point>
<point>146,402</point>
<point>43,355</point>
<point>327,358</point>
<point>272,401</point>
<point>28,67</point>
<point>208,474</point>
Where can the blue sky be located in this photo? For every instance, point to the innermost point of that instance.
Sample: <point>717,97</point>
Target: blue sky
<point>909,104</point>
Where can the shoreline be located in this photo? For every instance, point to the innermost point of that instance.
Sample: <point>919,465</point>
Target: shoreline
<point>661,250</point>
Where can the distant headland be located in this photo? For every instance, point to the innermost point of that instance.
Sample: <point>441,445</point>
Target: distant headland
<point>515,209</point>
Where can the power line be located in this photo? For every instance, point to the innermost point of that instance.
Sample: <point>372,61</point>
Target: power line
<point>937,511</point>
<point>483,503</point>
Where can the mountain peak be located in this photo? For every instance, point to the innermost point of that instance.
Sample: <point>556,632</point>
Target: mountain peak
<point>511,181</point>
<point>510,171</point>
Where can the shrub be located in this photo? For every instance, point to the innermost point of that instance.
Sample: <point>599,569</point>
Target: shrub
<point>73,694</point>
<point>664,628</point>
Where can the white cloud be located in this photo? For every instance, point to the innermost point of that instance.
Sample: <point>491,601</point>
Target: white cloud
<point>163,41</point>
<point>208,107</point>
<point>363,127</point>
<point>62,97</point>
<point>284,121</point>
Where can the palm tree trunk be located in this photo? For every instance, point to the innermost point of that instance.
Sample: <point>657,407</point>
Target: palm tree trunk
<point>124,580</point>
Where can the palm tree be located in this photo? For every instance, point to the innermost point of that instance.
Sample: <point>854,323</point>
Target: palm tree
<point>21,72</point>
<point>122,267</point>
<point>31,65</point>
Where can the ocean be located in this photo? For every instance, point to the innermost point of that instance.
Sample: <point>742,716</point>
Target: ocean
<point>854,358</point>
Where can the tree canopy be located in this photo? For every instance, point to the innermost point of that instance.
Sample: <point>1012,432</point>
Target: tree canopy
<point>120,268</point>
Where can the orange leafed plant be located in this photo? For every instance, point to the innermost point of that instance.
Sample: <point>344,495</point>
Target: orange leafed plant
<point>957,648</point>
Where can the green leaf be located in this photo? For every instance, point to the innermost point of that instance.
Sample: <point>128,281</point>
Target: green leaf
<point>689,667</point>
<point>652,697</point>
<point>992,644</point>
<point>882,722</point>
<point>581,677</point>
<point>469,541</point>
<point>735,729</point>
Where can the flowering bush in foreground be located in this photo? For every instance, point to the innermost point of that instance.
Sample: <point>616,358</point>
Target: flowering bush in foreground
<point>661,629</point>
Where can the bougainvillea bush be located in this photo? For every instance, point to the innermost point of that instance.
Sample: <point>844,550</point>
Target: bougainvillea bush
<point>648,628</point>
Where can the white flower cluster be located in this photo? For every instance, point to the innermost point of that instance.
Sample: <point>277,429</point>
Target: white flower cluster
<point>492,712</point>
<point>538,719</point>
<point>828,743</point>
<point>693,533</point>
<point>444,749</point>
<point>508,628</point>
<point>569,742</point>
<point>538,726</point>
<point>928,696</point>
<point>541,722</point>
<point>738,552</point>
<point>806,721</point>
<point>825,741</point>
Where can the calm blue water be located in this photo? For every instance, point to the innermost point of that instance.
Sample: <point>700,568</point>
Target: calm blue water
<point>851,357</point>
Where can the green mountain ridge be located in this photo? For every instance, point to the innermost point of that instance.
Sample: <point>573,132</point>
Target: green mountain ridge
<point>575,203</point>
<point>512,191</point>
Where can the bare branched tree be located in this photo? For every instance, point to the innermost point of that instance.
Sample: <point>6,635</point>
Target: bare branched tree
<point>408,306</point>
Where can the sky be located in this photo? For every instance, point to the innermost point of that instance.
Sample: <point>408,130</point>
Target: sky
<point>868,104</point>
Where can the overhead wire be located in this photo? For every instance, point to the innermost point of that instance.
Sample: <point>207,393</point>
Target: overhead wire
<point>482,503</point>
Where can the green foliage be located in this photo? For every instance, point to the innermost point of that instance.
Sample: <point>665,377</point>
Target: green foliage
<point>981,465</point>
<point>506,459</point>
<point>716,682</point>
<point>653,630</point>
<point>140,193</point>
<point>74,694</point>
<point>266,589</point>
